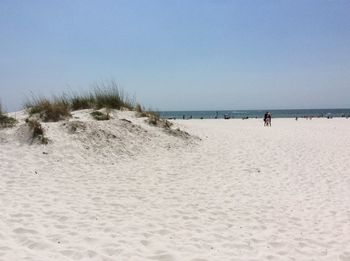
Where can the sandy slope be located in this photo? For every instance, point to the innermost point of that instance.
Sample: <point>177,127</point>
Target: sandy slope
<point>122,190</point>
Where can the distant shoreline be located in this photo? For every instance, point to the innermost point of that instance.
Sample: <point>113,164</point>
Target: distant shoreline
<point>239,114</point>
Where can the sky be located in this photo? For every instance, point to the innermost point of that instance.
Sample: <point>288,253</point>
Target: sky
<point>180,54</point>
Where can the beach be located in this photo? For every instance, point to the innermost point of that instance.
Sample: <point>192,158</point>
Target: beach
<point>125,190</point>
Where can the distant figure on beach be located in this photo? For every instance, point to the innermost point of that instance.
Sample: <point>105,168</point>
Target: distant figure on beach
<point>267,119</point>
<point>216,115</point>
<point>183,116</point>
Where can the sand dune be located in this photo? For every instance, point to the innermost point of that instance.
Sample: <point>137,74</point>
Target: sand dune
<point>125,190</point>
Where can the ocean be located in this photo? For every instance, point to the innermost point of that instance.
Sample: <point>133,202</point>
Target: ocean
<point>239,114</point>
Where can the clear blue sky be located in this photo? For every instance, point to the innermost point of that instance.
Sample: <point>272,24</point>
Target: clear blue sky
<point>180,55</point>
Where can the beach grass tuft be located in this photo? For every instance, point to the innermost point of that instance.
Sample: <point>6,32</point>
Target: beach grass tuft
<point>103,95</point>
<point>81,101</point>
<point>153,118</point>
<point>111,97</point>
<point>37,130</point>
<point>100,116</point>
<point>6,121</point>
<point>49,110</point>
<point>140,111</point>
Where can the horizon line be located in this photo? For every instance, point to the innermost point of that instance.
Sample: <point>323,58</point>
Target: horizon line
<point>257,109</point>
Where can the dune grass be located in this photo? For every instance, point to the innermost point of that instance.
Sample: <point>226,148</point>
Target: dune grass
<point>100,116</point>
<point>153,117</point>
<point>81,101</point>
<point>111,97</point>
<point>49,110</point>
<point>103,95</point>
<point>37,130</point>
<point>6,121</point>
<point>142,112</point>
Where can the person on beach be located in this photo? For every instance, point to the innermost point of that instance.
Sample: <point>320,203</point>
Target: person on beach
<point>269,119</point>
<point>265,118</point>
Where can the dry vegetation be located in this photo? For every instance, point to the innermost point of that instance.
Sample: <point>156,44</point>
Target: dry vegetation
<point>103,95</point>
<point>37,130</point>
<point>49,110</point>
<point>153,118</point>
<point>6,121</point>
<point>100,116</point>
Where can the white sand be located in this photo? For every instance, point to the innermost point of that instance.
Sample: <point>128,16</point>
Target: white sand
<point>128,191</point>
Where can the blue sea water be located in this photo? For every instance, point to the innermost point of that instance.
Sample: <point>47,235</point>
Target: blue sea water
<point>239,114</point>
